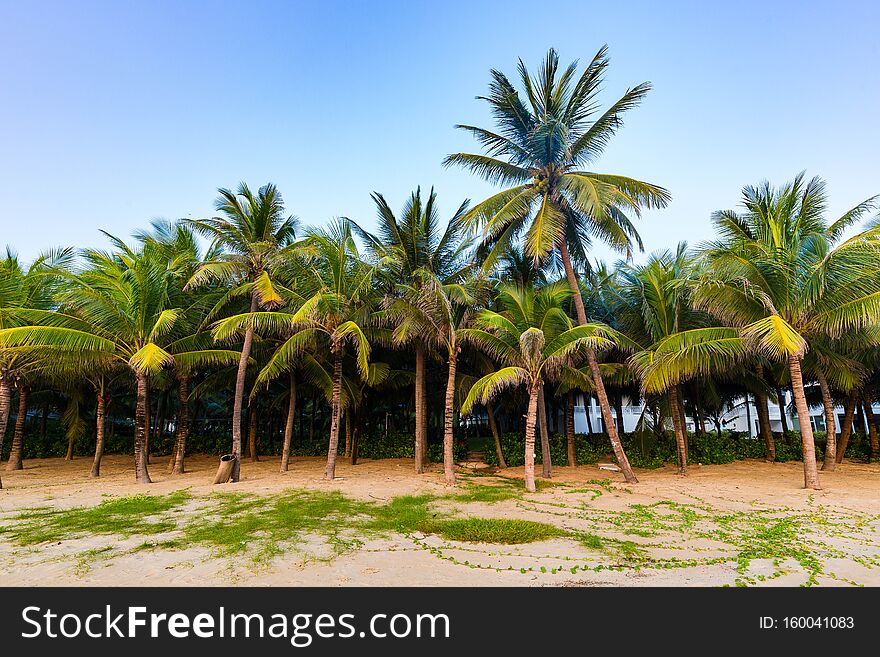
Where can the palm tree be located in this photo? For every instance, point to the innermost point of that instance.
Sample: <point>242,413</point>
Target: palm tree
<point>416,242</point>
<point>532,337</point>
<point>176,244</point>
<point>540,147</point>
<point>21,289</point>
<point>655,306</point>
<point>785,278</point>
<point>437,312</point>
<point>338,312</point>
<point>251,232</point>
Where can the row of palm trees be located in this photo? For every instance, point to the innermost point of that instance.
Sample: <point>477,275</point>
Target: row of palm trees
<point>502,294</point>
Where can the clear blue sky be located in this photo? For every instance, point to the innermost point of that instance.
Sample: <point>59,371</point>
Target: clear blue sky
<point>114,113</point>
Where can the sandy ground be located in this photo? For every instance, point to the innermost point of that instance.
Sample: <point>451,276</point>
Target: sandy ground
<point>696,535</point>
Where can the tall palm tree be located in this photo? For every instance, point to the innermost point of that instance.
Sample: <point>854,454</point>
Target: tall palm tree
<point>406,246</point>
<point>337,313</point>
<point>540,147</point>
<point>786,278</point>
<point>531,337</point>
<point>251,231</point>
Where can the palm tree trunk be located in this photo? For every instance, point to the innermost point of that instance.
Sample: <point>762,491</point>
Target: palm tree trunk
<point>811,475</point>
<point>780,401</point>
<point>147,410</point>
<point>15,453</point>
<point>330,472</point>
<point>849,412</point>
<point>531,420</point>
<point>238,401</point>
<point>700,414</point>
<point>421,408</point>
<point>160,417</point>
<point>680,440</point>
<point>141,431</point>
<point>684,423</point>
<point>764,424</point>
<point>252,432</point>
<point>496,437</point>
<point>599,384</point>
<point>288,426</point>
<point>5,403</point>
<point>100,412</point>
<point>830,427</point>
<point>346,416</point>
<point>181,432</point>
<point>618,412</point>
<point>869,416</point>
<point>546,463</point>
<point>448,417</point>
<point>569,429</point>
<point>356,431</point>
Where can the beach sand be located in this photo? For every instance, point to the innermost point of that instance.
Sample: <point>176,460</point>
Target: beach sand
<point>674,519</point>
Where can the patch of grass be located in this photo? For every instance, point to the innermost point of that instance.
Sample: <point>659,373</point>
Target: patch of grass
<point>123,516</point>
<point>500,490</point>
<point>590,541</point>
<point>502,531</point>
<point>243,522</point>
<point>403,515</point>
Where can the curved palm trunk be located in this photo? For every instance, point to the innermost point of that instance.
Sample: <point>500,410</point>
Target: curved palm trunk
<point>330,472</point>
<point>849,413</point>
<point>421,406</point>
<point>5,403</point>
<point>346,416</point>
<point>830,460</point>
<point>288,425</point>
<point>811,474</point>
<point>181,432</point>
<point>15,453</point>
<point>869,416</point>
<point>141,430</point>
<point>569,429</point>
<point>531,421</point>
<point>680,438</point>
<point>496,437</point>
<point>238,401</point>
<point>100,424</point>
<point>599,384</point>
<point>448,417</point>
<point>546,462</point>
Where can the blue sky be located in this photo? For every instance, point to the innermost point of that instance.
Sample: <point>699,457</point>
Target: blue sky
<point>115,113</point>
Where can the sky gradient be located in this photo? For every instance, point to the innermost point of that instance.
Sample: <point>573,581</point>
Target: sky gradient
<point>115,113</point>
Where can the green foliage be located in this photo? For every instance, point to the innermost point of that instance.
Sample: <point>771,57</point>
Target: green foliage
<point>502,531</point>
<point>647,450</point>
<point>124,516</point>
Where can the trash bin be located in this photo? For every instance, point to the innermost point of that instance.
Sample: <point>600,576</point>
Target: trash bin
<point>224,472</point>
